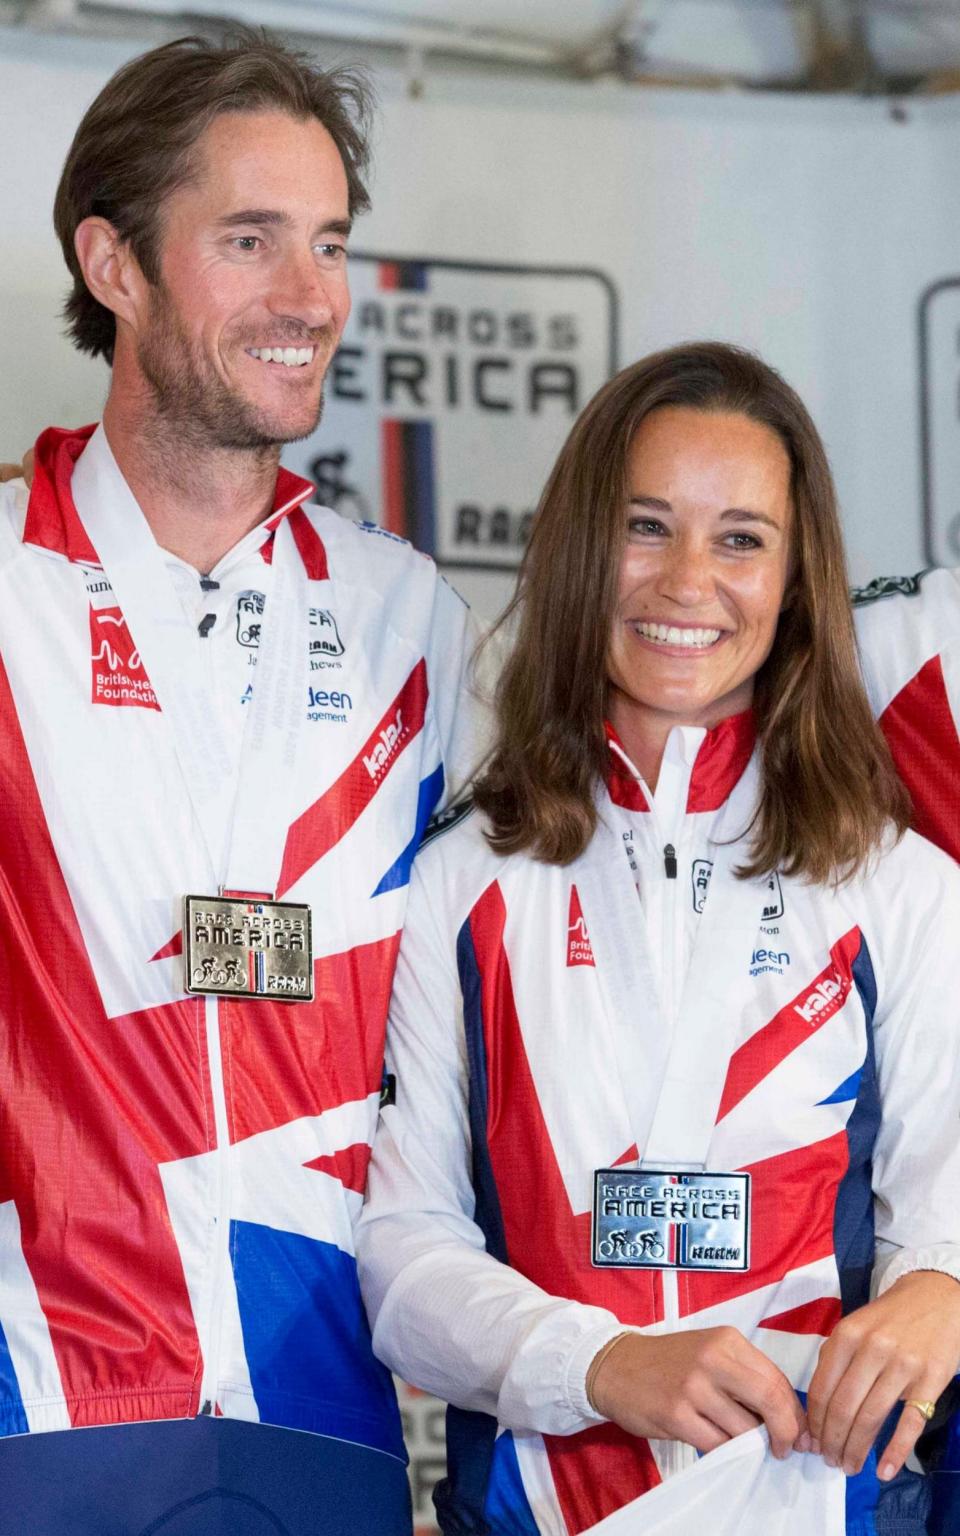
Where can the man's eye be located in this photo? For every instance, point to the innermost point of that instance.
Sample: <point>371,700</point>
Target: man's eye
<point>246,242</point>
<point>331,252</point>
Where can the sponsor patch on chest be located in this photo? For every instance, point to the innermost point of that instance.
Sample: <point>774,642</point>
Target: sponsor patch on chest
<point>118,675</point>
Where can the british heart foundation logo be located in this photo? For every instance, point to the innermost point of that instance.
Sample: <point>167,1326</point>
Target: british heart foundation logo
<point>579,950</point>
<point>118,674</point>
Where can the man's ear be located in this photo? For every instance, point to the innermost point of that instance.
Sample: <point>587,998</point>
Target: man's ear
<point>110,269</point>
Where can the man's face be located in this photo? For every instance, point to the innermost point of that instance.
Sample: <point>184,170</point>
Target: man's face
<point>253,294</point>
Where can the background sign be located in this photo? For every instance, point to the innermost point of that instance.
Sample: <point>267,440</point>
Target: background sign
<point>450,395</point>
<point>940,419</point>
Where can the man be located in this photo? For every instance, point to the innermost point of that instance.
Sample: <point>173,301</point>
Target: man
<point>225,717</point>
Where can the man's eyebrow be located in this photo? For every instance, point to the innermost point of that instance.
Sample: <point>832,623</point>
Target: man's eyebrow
<point>254,216</point>
<point>273,218</point>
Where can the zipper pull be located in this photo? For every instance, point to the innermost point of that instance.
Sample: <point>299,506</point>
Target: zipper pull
<point>207,1408</point>
<point>670,861</point>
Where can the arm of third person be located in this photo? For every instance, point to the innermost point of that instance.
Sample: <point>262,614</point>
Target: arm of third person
<point>15,471</point>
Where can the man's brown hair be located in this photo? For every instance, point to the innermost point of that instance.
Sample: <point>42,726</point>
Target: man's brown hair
<point>135,144</point>
<point>829,790</point>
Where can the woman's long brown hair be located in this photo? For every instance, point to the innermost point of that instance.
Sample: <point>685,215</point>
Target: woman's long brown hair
<point>829,790</point>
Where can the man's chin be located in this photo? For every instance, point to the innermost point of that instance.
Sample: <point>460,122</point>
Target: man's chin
<point>288,426</point>
<point>264,432</point>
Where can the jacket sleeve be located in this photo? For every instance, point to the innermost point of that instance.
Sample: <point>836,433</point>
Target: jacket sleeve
<point>446,1315</point>
<point>916,1162</point>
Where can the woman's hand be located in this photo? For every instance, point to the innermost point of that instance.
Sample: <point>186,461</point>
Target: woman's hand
<point>703,1387</point>
<point>906,1344</point>
<point>14,471</point>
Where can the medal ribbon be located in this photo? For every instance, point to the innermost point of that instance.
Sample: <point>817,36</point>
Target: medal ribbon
<point>136,569</point>
<point>673,1077</point>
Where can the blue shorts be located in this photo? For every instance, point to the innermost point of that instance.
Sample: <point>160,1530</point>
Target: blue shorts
<point>198,1477</point>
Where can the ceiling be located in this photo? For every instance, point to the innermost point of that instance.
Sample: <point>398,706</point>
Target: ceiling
<point>832,45</point>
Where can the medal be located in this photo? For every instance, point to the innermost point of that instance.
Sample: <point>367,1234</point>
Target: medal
<point>237,946</point>
<point>652,1218</point>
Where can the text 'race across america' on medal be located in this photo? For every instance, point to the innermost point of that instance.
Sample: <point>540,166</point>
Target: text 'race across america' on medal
<point>653,1218</point>
<point>242,947</point>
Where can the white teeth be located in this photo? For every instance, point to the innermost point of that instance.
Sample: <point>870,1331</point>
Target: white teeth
<point>290,357</point>
<point>669,634</point>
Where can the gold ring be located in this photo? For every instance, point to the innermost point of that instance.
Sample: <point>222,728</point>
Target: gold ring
<point>927,1409</point>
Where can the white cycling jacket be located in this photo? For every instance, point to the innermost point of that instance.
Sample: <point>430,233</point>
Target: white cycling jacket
<point>180,1175</point>
<point>546,1023</point>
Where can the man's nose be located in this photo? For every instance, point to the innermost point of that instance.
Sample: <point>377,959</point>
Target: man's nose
<point>302,290</point>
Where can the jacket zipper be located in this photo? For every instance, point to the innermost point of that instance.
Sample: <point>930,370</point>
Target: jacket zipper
<point>674,1455</point>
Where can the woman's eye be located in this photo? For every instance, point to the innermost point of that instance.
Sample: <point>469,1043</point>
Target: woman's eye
<point>743,541</point>
<point>646,526</point>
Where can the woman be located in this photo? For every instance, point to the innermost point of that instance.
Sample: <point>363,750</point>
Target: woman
<point>646,1154</point>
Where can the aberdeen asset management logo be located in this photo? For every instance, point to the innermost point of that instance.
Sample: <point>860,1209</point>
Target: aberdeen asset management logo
<point>450,395</point>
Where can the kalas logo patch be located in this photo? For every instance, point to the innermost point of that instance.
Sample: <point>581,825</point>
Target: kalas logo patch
<point>384,747</point>
<point>825,998</point>
<point>118,674</point>
<point>579,948</point>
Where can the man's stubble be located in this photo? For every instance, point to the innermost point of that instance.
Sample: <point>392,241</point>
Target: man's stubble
<point>193,405</point>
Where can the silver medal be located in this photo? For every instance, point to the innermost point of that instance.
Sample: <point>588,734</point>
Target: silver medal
<point>655,1218</point>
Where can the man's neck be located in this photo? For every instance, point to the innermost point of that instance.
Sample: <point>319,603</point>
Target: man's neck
<point>199,500</point>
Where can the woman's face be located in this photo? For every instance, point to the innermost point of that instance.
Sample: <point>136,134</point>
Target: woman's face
<point>705,565</point>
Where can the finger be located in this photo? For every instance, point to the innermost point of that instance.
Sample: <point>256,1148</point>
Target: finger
<point>834,1358</point>
<point>10,472</point>
<point>728,1415</point>
<point>869,1418</point>
<point>910,1427</point>
<point>857,1382</point>
<point>768,1394</point>
<point>702,1433</point>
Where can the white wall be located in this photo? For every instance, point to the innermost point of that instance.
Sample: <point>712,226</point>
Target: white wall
<point>804,227</point>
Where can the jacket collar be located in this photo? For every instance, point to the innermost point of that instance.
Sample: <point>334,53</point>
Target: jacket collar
<point>52,521</point>
<point>721,758</point>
